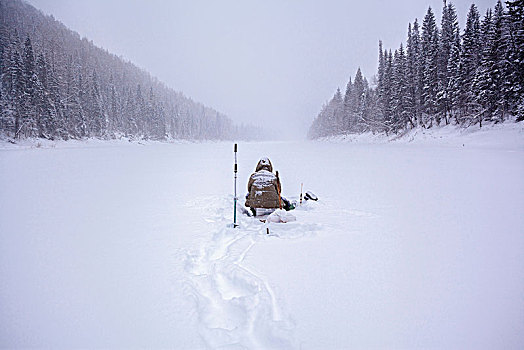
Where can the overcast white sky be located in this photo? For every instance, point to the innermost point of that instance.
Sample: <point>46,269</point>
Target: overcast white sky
<point>266,62</point>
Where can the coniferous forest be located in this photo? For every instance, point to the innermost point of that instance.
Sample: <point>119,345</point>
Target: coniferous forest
<point>57,85</point>
<point>441,75</point>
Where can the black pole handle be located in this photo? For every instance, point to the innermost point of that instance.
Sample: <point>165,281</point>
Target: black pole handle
<point>235,149</point>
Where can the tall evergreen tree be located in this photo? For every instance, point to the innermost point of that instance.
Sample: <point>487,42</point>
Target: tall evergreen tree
<point>401,97</point>
<point>387,97</point>
<point>470,61</point>
<point>44,110</point>
<point>485,84</point>
<point>498,50</point>
<point>357,99</point>
<point>97,116</point>
<point>430,48</point>
<point>31,89</point>
<point>337,113</point>
<point>454,75</point>
<point>514,65</point>
<point>412,74</point>
<point>382,55</point>
<point>346,127</point>
<point>449,30</point>
<point>418,70</point>
<point>58,128</point>
<point>16,90</point>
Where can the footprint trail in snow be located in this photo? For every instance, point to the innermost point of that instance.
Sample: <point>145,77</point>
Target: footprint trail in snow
<point>236,307</point>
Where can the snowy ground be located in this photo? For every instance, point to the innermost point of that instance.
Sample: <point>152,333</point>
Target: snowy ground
<point>416,243</point>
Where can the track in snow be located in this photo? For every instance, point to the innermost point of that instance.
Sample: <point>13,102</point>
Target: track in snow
<point>237,307</point>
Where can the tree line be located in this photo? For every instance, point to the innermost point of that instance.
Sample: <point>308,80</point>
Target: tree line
<point>53,84</point>
<point>440,76</point>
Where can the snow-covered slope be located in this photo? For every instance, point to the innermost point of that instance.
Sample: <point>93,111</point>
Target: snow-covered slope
<point>412,244</point>
<point>491,135</point>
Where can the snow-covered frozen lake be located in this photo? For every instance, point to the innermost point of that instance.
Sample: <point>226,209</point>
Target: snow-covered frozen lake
<point>127,245</point>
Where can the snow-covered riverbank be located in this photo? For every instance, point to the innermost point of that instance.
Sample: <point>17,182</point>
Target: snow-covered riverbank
<point>504,135</point>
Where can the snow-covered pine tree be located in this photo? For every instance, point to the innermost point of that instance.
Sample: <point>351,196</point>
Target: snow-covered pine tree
<point>336,117</point>
<point>96,112</point>
<point>387,98</point>
<point>45,115</point>
<point>17,88</point>
<point>498,51</point>
<point>485,84</point>
<point>370,118</point>
<point>129,125</point>
<point>406,98</point>
<point>400,92</point>
<point>313,131</point>
<point>6,113</point>
<point>514,67</point>
<point>396,97</point>
<point>139,115</point>
<point>454,84</point>
<point>58,127</point>
<point>327,123</point>
<point>430,49</point>
<point>449,28</point>
<point>416,71</point>
<point>112,107</point>
<point>380,83</point>
<point>158,131</point>
<point>419,69</point>
<point>357,99</point>
<point>411,77</point>
<point>319,128</point>
<point>82,89</point>
<point>32,87</point>
<point>73,112</point>
<point>470,61</point>
<point>346,125</point>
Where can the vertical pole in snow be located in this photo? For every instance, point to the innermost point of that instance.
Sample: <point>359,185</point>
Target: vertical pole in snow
<point>301,187</point>
<point>235,199</point>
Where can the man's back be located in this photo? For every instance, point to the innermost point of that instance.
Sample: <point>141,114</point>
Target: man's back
<point>263,187</point>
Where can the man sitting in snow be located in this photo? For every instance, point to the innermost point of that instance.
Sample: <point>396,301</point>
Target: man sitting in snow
<point>263,187</point>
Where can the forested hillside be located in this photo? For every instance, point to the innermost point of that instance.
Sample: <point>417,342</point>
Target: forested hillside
<point>55,84</point>
<point>439,76</point>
